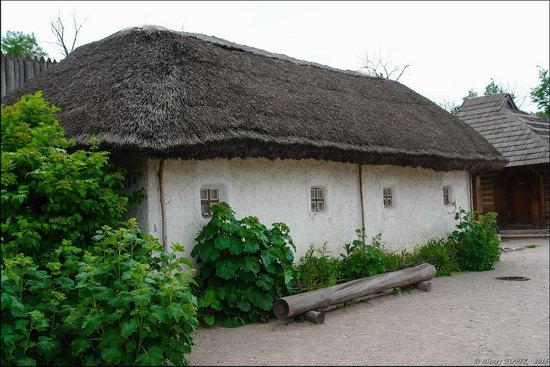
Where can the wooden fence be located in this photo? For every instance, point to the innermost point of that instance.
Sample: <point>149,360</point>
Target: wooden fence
<point>15,71</point>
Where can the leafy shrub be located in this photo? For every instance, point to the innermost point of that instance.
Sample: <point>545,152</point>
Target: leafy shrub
<point>397,261</point>
<point>49,194</point>
<point>363,260</point>
<point>244,267</point>
<point>477,246</point>
<point>123,302</point>
<point>316,269</point>
<point>440,253</point>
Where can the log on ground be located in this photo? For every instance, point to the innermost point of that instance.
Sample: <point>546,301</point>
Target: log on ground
<point>323,298</point>
<point>316,317</point>
<point>424,286</point>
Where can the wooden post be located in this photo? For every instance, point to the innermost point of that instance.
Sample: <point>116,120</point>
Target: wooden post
<point>10,74</point>
<point>15,73</point>
<point>424,286</point>
<point>322,298</point>
<point>3,75</point>
<point>315,317</point>
<point>36,66</point>
<point>479,206</point>
<point>29,70</point>
<point>361,200</point>
<point>21,71</point>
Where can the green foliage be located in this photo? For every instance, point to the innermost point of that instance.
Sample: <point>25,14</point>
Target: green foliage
<point>540,94</point>
<point>471,94</point>
<point>244,267</point>
<point>49,192</point>
<point>493,88</point>
<point>363,260</point>
<point>477,246</point>
<point>316,269</point>
<point>123,301</point>
<point>21,45</point>
<point>440,253</point>
<point>490,89</point>
<point>399,260</point>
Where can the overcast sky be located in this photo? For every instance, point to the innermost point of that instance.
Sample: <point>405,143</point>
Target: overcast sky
<point>450,46</point>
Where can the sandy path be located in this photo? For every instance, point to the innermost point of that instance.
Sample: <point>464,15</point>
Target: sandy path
<point>469,318</point>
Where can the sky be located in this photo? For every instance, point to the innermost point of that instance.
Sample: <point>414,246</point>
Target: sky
<point>450,47</point>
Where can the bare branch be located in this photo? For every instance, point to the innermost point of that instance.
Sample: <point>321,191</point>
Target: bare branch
<point>58,30</point>
<point>77,28</point>
<point>381,68</point>
<point>402,71</point>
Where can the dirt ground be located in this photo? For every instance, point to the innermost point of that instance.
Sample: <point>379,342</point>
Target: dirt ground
<point>467,319</point>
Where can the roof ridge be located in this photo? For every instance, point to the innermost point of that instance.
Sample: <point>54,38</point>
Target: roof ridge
<point>241,47</point>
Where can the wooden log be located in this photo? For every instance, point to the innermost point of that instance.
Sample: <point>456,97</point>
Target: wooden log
<point>3,75</point>
<point>10,74</point>
<point>36,66</point>
<point>322,298</point>
<point>315,317</point>
<point>424,286</point>
<point>29,70</point>
<point>42,64</point>
<point>15,73</point>
<point>21,71</point>
<point>361,299</point>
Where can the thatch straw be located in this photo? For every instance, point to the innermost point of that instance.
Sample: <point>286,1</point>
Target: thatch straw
<point>173,94</point>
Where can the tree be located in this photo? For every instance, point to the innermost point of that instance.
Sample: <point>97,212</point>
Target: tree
<point>377,66</point>
<point>21,44</point>
<point>540,94</point>
<point>493,88</point>
<point>471,94</point>
<point>58,30</point>
<point>449,106</point>
<point>50,191</point>
<point>490,89</point>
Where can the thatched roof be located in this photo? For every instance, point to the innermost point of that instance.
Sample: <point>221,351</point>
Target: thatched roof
<point>520,137</point>
<point>173,94</point>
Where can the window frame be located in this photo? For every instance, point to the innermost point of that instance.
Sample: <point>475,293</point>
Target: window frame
<point>208,200</point>
<point>388,195</point>
<point>447,195</point>
<point>317,196</point>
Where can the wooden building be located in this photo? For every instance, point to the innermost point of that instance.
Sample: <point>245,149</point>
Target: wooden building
<point>519,193</point>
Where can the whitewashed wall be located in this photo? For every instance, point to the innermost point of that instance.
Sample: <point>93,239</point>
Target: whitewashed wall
<point>274,191</point>
<point>279,191</point>
<point>418,213</point>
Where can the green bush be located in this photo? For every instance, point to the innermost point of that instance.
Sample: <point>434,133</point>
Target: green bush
<point>244,267</point>
<point>363,260</point>
<point>477,246</point>
<point>440,253</point>
<point>74,290</point>
<point>49,193</point>
<point>397,261</point>
<point>122,302</point>
<point>316,269</point>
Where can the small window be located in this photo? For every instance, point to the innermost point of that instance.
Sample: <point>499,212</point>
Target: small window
<point>446,195</point>
<point>317,199</point>
<point>209,197</point>
<point>388,197</point>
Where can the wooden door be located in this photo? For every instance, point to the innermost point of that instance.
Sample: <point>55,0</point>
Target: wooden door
<point>519,194</point>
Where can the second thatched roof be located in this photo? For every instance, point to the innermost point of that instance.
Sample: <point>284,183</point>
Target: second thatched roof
<point>171,94</point>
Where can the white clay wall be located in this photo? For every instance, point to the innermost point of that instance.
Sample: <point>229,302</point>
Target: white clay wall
<point>279,191</point>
